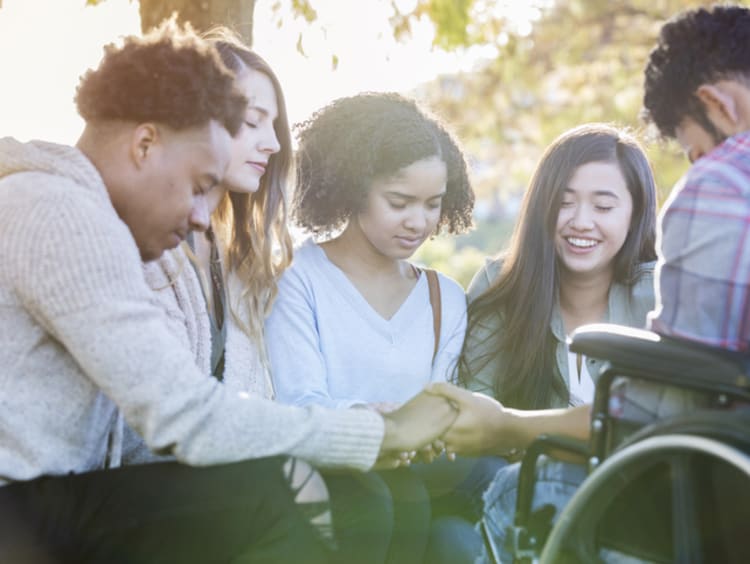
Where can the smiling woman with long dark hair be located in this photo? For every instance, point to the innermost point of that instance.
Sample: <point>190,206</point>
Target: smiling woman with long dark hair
<point>581,252</point>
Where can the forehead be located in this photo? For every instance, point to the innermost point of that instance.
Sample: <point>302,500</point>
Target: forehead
<point>599,179</point>
<point>428,174</point>
<point>258,89</point>
<point>205,149</point>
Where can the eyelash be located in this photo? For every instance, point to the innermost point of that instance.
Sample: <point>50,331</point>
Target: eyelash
<point>599,208</point>
<point>251,125</point>
<point>403,206</point>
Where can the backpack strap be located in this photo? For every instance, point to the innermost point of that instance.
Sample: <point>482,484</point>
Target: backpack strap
<point>434,286</point>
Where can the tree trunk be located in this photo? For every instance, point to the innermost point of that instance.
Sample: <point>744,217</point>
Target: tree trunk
<point>202,14</point>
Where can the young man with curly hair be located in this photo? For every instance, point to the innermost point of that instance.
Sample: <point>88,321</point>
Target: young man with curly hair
<point>84,346</point>
<point>697,90</point>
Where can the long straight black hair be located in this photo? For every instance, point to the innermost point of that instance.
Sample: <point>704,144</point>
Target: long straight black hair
<point>525,293</point>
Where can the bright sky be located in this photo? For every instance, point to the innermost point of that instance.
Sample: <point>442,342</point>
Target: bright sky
<point>45,45</point>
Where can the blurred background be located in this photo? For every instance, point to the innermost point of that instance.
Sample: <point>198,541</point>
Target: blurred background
<point>506,76</point>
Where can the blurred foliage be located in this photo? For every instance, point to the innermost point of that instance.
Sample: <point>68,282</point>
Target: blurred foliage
<point>550,65</point>
<point>460,257</point>
<point>579,61</point>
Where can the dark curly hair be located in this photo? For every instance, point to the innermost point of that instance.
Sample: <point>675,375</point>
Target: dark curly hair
<point>353,141</point>
<point>169,76</point>
<point>696,47</point>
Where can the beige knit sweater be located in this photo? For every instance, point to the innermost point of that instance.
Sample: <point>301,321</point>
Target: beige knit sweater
<point>81,335</point>
<point>177,289</point>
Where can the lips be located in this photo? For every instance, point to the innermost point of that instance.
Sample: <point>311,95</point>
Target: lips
<point>259,166</point>
<point>582,242</point>
<point>410,242</point>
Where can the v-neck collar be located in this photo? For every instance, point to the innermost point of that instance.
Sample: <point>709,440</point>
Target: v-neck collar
<point>415,301</point>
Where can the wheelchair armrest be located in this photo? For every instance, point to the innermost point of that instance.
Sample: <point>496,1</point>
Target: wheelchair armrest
<point>678,360</point>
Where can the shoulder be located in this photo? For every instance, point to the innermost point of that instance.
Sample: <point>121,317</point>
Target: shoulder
<point>450,288</point>
<point>307,251</point>
<point>452,295</point>
<point>642,289</point>
<point>631,302</point>
<point>39,189</point>
<point>305,255</point>
<point>724,171</point>
<point>484,278</point>
<point>56,212</point>
<point>307,258</point>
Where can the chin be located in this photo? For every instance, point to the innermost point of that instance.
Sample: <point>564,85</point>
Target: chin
<point>150,256</point>
<point>245,188</point>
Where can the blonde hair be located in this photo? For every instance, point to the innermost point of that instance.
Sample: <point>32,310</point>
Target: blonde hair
<point>253,227</point>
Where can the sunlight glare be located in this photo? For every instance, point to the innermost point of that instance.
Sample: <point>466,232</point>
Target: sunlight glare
<point>45,45</point>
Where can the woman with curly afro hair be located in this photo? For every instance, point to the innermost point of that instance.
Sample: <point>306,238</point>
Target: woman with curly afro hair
<point>355,323</point>
<point>376,177</point>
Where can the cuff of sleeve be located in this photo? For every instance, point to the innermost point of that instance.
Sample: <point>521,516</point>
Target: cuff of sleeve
<point>353,439</point>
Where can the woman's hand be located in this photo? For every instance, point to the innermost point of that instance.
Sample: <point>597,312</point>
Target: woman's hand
<point>417,423</point>
<point>483,425</point>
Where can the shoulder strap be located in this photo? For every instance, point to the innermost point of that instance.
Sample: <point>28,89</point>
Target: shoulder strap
<point>434,286</point>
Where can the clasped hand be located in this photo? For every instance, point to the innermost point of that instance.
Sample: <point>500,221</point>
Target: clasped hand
<point>444,418</point>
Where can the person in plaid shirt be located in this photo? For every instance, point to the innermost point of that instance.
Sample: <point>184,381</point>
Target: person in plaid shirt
<point>697,91</point>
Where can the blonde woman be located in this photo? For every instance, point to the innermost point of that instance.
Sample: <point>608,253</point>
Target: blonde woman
<point>218,289</point>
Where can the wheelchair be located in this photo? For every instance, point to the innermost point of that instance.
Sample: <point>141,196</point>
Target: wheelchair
<point>674,490</point>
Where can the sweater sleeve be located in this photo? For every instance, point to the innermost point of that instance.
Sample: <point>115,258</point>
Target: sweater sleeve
<point>85,287</point>
<point>298,366</point>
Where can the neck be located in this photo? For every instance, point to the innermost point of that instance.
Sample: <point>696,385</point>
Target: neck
<point>94,145</point>
<point>353,253</point>
<point>584,299</point>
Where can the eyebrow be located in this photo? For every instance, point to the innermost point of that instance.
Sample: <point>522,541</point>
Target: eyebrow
<point>597,193</point>
<point>259,109</point>
<point>409,197</point>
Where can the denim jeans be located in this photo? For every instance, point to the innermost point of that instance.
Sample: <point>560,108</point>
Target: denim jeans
<point>556,482</point>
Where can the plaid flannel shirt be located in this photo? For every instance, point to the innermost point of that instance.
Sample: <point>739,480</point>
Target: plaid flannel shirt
<point>703,273</point>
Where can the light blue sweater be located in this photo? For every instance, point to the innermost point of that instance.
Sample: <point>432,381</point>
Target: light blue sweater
<point>328,346</point>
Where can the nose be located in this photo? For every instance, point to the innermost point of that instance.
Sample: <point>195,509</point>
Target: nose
<point>416,221</point>
<point>270,143</point>
<point>199,216</point>
<point>582,219</point>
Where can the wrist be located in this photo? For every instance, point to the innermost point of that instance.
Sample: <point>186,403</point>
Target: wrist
<point>390,433</point>
<point>517,432</point>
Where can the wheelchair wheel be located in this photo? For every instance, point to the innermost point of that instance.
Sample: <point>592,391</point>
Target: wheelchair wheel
<point>667,498</point>
<point>728,427</point>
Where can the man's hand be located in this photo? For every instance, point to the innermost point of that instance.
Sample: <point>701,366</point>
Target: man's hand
<point>483,425</point>
<point>417,423</point>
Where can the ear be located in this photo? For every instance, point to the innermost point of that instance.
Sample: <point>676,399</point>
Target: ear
<point>721,106</point>
<point>144,138</point>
